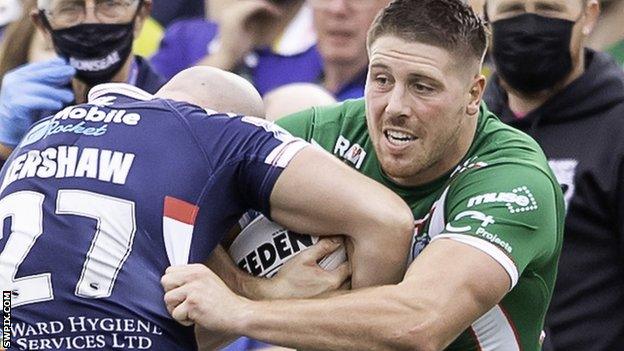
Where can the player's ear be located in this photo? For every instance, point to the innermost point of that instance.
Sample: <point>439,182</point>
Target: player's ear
<point>475,93</point>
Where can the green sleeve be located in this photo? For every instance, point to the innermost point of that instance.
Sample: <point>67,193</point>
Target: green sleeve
<point>513,212</point>
<point>299,124</point>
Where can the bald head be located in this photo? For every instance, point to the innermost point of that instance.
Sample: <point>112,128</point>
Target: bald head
<point>293,98</point>
<point>214,89</point>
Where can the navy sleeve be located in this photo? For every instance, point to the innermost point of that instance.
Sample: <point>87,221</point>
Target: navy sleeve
<point>248,152</point>
<point>267,149</point>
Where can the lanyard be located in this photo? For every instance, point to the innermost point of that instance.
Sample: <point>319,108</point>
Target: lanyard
<point>134,72</point>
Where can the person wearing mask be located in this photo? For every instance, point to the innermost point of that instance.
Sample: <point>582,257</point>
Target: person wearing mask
<point>571,100</point>
<point>94,42</point>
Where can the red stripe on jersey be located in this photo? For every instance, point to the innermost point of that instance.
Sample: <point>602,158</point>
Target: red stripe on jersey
<point>513,327</point>
<point>180,210</point>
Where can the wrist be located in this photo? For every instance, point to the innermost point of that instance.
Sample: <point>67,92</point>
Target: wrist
<point>244,316</point>
<point>256,288</point>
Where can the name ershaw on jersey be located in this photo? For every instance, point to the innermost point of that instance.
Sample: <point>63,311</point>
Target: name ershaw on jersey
<point>70,161</point>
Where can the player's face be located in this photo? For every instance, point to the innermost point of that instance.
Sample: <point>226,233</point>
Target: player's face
<point>416,101</point>
<point>341,27</point>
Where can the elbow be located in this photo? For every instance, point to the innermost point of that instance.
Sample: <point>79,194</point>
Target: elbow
<point>398,222</point>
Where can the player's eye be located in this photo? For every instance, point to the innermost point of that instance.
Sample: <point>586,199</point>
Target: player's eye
<point>422,88</point>
<point>382,80</point>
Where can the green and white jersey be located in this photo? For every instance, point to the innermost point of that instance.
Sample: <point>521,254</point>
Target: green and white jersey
<point>501,199</point>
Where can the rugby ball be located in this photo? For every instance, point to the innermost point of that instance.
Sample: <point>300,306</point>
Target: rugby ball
<point>262,247</point>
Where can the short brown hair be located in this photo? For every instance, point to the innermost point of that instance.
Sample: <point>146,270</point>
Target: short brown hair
<point>449,24</point>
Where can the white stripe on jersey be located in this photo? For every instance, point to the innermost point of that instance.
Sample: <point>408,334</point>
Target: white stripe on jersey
<point>120,89</point>
<point>494,331</point>
<point>487,247</point>
<point>284,153</point>
<point>177,236</point>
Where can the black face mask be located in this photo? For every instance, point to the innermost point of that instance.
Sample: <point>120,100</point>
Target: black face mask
<point>97,51</point>
<point>532,52</point>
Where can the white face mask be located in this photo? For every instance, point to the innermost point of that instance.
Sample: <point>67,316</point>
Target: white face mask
<point>10,10</point>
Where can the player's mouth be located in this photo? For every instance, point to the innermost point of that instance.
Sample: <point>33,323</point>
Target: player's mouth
<point>399,139</point>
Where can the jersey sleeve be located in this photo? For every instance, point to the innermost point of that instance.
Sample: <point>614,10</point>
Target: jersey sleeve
<point>510,212</point>
<point>269,150</point>
<point>299,124</point>
<point>246,153</point>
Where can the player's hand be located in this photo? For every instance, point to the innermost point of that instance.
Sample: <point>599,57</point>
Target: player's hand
<point>195,295</point>
<point>28,91</point>
<point>302,277</point>
<point>242,26</point>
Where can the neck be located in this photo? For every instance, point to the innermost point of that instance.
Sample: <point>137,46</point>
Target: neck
<point>337,75</point>
<point>81,89</point>
<point>525,103</point>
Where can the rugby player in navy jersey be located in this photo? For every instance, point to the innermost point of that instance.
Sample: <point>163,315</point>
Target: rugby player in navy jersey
<point>99,199</point>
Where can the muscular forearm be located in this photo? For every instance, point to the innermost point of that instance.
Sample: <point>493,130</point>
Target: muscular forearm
<point>370,319</point>
<point>238,280</point>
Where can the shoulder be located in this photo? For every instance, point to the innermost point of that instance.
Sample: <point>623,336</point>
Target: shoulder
<point>498,143</point>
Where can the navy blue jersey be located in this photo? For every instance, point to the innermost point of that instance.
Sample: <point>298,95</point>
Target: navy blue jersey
<point>101,198</point>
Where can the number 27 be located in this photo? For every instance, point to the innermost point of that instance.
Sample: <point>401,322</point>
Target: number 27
<point>110,247</point>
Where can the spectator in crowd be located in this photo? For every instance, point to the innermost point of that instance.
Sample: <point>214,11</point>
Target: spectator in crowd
<point>337,62</point>
<point>341,28</point>
<point>94,39</point>
<point>609,32</point>
<point>571,100</point>
<point>269,42</point>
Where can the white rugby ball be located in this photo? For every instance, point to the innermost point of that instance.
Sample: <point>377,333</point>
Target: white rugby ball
<point>262,247</point>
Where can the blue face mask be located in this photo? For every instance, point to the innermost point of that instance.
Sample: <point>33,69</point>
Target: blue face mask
<point>532,52</point>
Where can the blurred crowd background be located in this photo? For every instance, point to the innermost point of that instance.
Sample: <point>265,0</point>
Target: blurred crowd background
<point>297,53</point>
<point>273,43</point>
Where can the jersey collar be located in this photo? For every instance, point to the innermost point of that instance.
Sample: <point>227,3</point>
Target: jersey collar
<point>122,89</point>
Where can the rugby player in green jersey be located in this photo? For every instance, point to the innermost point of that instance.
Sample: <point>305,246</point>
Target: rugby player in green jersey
<point>488,211</point>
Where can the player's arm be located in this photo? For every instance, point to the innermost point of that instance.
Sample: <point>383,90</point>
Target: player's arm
<point>319,195</point>
<point>464,284</point>
<point>455,280</point>
<point>300,277</point>
<point>449,285</point>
